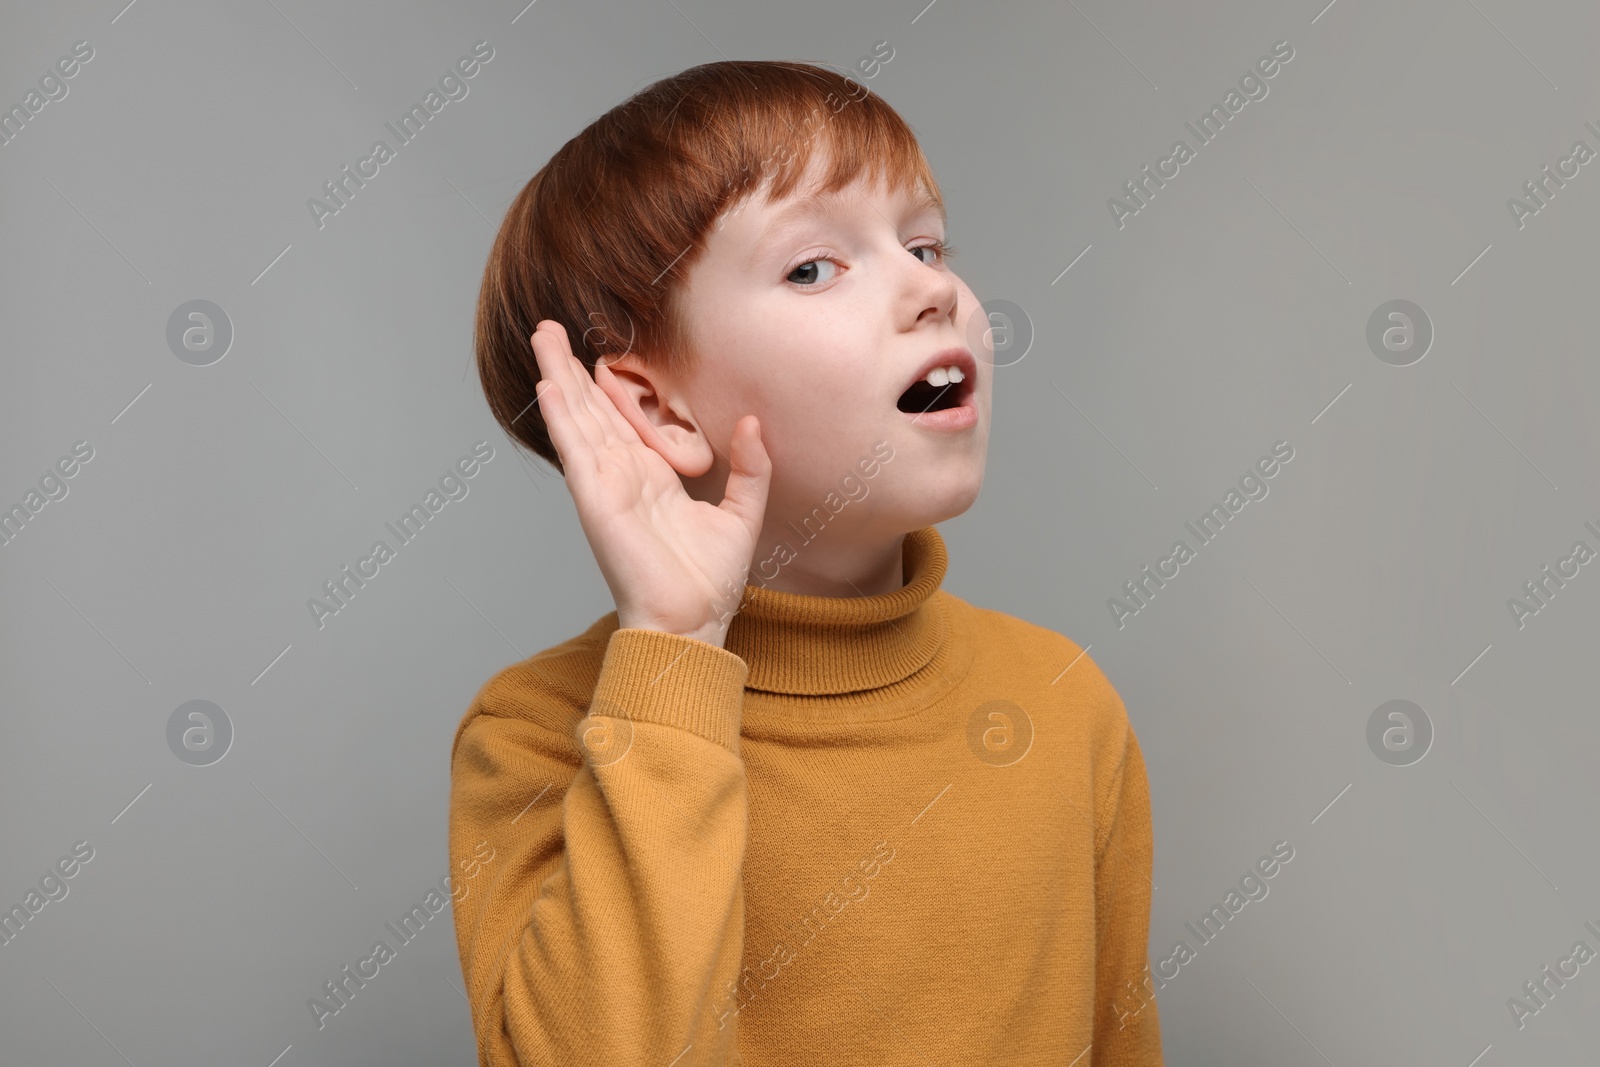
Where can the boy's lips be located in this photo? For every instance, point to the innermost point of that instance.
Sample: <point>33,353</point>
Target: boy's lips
<point>960,412</point>
<point>949,357</point>
<point>961,416</point>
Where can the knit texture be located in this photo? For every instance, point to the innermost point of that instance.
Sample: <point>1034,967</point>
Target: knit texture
<point>891,830</point>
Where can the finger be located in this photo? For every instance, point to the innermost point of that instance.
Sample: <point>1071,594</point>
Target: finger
<point>749,474</point>
<point>607,383</point>
<point>596,400</point>
<point>554,405</point>
<point>570,447</point>
<point>559,365</point>
<point>552,361</point>
<point>573,431</point>
<point>582,391</point>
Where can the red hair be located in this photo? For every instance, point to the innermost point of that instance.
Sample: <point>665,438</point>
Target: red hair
<point>602,237</point>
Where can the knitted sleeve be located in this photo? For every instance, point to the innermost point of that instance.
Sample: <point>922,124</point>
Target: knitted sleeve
<point>608,918</point>
<point>1127,1030</point>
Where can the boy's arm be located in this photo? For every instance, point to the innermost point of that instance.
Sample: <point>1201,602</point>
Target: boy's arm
<point>611,921</point>
<point>1127,1031</point>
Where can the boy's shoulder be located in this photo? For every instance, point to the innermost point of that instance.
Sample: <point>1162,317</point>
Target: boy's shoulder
<point>551,689</point>
<point>1056,681</point>
<point>1042,660</point>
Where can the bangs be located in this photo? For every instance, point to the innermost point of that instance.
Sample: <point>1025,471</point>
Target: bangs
<point>861,137</point>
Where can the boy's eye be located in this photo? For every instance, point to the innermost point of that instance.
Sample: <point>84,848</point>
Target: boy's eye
<point>808,268</point>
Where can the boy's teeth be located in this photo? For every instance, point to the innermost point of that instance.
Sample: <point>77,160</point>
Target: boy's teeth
<point>942,376</point>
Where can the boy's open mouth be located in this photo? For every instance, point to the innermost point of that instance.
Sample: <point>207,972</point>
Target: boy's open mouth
<point>924,397</point>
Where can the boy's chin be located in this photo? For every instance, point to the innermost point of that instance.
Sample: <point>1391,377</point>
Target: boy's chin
<point>957,508</point>
<point>940,503</point>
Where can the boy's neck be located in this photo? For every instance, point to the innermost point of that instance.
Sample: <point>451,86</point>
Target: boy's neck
<point>826,565</point>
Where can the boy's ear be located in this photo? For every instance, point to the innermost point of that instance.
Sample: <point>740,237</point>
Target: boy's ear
<point>658,411</point>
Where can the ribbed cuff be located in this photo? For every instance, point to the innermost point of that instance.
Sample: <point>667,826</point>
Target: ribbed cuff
<point>655,676</point>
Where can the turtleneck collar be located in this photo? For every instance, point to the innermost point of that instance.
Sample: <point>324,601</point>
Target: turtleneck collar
<point>881,655</point>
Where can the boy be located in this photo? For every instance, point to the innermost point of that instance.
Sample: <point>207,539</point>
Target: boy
<point>792,802</point>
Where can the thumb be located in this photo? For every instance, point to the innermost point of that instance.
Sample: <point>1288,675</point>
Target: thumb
<point>749,474</point>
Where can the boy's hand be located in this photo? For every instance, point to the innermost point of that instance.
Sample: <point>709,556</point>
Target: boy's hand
<point>673,563</point>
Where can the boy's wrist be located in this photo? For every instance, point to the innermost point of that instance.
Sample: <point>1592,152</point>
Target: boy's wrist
<point>716,636</point>
<point>711,634</point>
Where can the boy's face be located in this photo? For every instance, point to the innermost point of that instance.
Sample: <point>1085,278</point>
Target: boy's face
<point>817,327</point>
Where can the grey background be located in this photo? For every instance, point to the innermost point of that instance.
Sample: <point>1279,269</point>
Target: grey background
<point>1229,314</point>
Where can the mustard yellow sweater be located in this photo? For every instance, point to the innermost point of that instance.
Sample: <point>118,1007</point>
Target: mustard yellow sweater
<point>888,830</point>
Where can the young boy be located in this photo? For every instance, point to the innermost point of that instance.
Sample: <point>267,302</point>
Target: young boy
<point>791,802</point>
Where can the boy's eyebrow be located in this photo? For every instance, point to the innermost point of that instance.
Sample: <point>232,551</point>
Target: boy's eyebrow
<point>821,203</point>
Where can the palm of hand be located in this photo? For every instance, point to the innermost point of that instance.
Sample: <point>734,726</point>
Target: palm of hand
<point>672,562</point>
